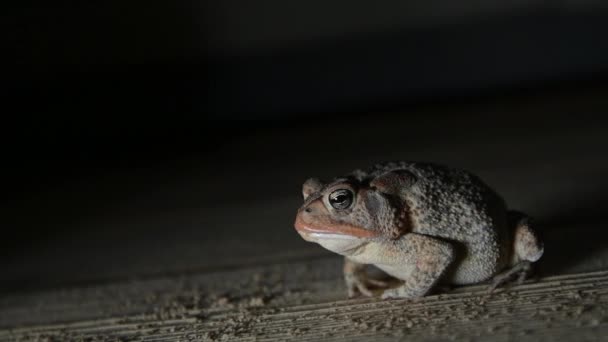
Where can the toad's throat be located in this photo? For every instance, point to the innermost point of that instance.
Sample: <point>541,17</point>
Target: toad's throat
<point>334,229</point>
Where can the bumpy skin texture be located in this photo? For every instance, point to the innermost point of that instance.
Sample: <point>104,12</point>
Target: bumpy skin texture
<point>422,223</point>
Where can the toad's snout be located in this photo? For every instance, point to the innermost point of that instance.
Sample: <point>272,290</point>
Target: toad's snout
<point>314,220</point>
<point>306,217</point>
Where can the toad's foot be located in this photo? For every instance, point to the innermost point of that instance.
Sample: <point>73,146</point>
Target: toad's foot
<point>521,270</point>
<point>357,280</point>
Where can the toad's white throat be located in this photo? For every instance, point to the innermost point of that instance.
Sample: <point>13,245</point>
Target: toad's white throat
<point>337,243</point>
<point>332,236</point>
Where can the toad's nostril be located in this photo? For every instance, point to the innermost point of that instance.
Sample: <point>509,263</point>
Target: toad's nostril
<point>308,210</point>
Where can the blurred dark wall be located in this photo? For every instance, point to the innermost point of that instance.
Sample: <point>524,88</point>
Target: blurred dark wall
<point>98,78</point>
<point>242,59</point>
<point>126,79</point>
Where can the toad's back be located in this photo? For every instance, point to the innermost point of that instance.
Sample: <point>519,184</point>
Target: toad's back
<point>456,205</point>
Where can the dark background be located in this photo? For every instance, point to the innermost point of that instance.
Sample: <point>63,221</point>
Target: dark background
<point>137,132</point>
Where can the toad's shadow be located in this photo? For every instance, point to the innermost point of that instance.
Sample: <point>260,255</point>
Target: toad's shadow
<point>573,235</point>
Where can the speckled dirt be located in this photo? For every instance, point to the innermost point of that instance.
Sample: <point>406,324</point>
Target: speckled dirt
<point>305,301</point>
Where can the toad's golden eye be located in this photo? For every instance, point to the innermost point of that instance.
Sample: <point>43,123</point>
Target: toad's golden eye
<point>341,199</point>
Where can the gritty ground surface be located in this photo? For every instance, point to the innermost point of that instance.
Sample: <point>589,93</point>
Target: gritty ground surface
<point>204,249</point>
<point>306,301</point>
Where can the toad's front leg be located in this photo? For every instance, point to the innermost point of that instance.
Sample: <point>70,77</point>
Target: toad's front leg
<point>420,261</point>
<point>357,280</point>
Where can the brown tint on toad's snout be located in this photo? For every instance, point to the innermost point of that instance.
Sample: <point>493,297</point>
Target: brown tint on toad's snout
<point>314,217</point>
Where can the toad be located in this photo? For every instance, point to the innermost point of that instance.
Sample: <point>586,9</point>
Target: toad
<point>423,223</point>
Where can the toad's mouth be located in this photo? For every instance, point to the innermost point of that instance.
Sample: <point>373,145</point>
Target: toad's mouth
<point>337,230</point>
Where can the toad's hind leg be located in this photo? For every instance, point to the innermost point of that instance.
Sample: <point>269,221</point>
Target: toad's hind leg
<point>527,248</point>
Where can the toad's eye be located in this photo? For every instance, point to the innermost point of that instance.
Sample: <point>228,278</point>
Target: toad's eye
<point>341,199</point>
